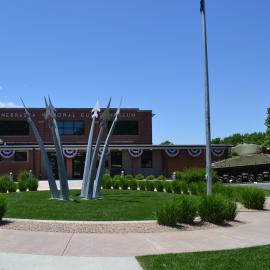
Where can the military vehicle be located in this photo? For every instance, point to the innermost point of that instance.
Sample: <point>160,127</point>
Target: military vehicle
<point>249,163</point>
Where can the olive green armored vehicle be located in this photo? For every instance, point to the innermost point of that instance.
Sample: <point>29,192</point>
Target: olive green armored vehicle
<point>248,164</point>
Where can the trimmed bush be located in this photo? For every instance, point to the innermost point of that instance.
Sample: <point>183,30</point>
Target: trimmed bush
<point>129,177</point>
<point>117,177</point>
<point>124,184</point>
<point>150,186</point>
<point>22,185</point>
<point>133,184</point>
<point>230,210</point>
<point>12,187</point>
<point>116,184</point>
<point>202,188</point>
<point>194,175</point>
<point>193,189</point>
<point>168,187</point>
<point>253,198</point>
<point>184,188</point>
<point>108,183</point>
<point>166,214</point>
<point>187,208</point>
<point>161,177</point>
<point>3,207</point>
<point>176,186</point>
<point>142,185</point>
<point>159,185</point>
<point>4,183</point>
<point>139,177</point>
<point>106,176</point>
<point>212,208</point>
<point>150,177</point>
<point>32,184</point>
<point>23,175</point>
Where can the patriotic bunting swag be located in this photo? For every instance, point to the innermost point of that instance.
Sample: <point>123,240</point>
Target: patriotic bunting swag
<point>218,152</point>
<point>194,152</point>
<point>100,152</point>
<point>70,153</point>
<point>136,153</point>
<point>7,153</point>
<point>170,152</point>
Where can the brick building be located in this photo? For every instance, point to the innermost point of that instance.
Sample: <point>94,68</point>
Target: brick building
<point>131,149</point>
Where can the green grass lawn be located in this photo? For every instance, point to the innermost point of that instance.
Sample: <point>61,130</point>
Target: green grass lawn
<point>257,258</point>
<point>115,205</point>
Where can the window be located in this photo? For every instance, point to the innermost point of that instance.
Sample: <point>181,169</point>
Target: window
<point>20,156</point>
<point>147,159</point>
<point>71,127</point>
<point>125,128</point>
<point>14,128</point>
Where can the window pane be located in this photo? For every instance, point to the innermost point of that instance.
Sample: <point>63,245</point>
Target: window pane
<point>125,128</point>
<point>71,127</point>
<point>20,156</point>
<point>147,159</point>
<point>14,128</point>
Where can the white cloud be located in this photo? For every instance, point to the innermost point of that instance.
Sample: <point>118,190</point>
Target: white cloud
<point>9,104</point>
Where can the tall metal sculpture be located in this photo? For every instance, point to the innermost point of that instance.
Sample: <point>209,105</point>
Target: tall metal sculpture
<point>44,155</point>
<point>50,117</point>
<point>89,150</point>
<point>101,166</point>
<point>105,117</point>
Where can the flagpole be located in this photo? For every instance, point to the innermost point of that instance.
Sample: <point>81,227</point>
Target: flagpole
<point>207,104</point>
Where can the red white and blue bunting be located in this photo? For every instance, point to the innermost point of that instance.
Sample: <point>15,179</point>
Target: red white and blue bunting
<point>172,152</point>
<point>7,153</point>
<point>218,152</point>
<point>195,152</point>
<point>100,150</point>
<point>135,152</point>
<point>70,153</point>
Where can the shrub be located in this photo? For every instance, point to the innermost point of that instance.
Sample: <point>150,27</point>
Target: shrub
<point>150,185</point>
<point>4,183</point>
<point>116,184</point>
<point>129,177</point>
<point>161,177</point>
<point>124,184</point>
<point>23,175</point>
<point>22,185</point>
<point>107,184</point>
<point>253,198</point>
<point>187,208</point>
<point>32,184</point>
<point>194,175</point>
<point>176,185</point>
<point>159,185</point>
<point>3,207</point>
<point>139,177</point>
<point>133,184</point>
<point>230,210</point>
<point>106,176</point>
<point>12,187</point>
<point>150,177</point>
<point>166,214</point>
<point>193,189</point>
<point>212,208</point>
<point>202,188</point>
<point>142,185</point>
<point>184,188</point>
<point>117,177</point>
<point>168,187</point>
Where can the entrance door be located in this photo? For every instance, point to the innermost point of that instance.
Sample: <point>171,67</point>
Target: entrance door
<point>116,162</point>
<point>78,166</point>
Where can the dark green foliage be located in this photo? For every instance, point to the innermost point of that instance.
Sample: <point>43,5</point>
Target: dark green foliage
<point>32,184</point>
<point>12,187</point>
<point>184,188</point>
<point>253,198</point>
<point>176,186</point>
<point>139,176</point>
<point>117,177</point>
<point>107,183</point>
<point>166,214</point>
<point>168,186</point>
<point>106,176</point>
<point>3,207</point>
<point>116,184</point>
<point>22,185</point>
<point>230,210</point>
<point>133,184</point>
<point>212,208</point>
<point>4,183</point>
<point>150,185</point>
<point>202,188</point>
<point>23,175</point>
<point>141,185</point>
<point>124,184</point>
<point>150,177</point>
<point>161,177</point>
<point>159,185</point>
<point>129,177</point>
<point>186,209</point>
<point>193,188</point>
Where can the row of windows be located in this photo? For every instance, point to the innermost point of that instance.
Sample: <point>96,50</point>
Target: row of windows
<point>21,156</point>
<point>70,128</point>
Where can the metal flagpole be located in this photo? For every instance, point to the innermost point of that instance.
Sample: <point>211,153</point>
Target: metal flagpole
<point>207,104</point>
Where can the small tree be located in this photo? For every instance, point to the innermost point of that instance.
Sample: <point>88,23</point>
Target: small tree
<point>267,123</point>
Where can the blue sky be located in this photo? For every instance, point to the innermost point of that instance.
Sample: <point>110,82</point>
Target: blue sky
<point>149,51</point>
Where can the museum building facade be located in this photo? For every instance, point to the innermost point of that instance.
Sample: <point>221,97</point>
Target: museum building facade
<point>131,149</point>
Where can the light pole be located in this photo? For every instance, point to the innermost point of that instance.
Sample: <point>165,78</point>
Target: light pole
<point>207,104</point>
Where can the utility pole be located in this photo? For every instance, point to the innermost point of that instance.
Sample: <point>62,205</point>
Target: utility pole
<point>208,157</point>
